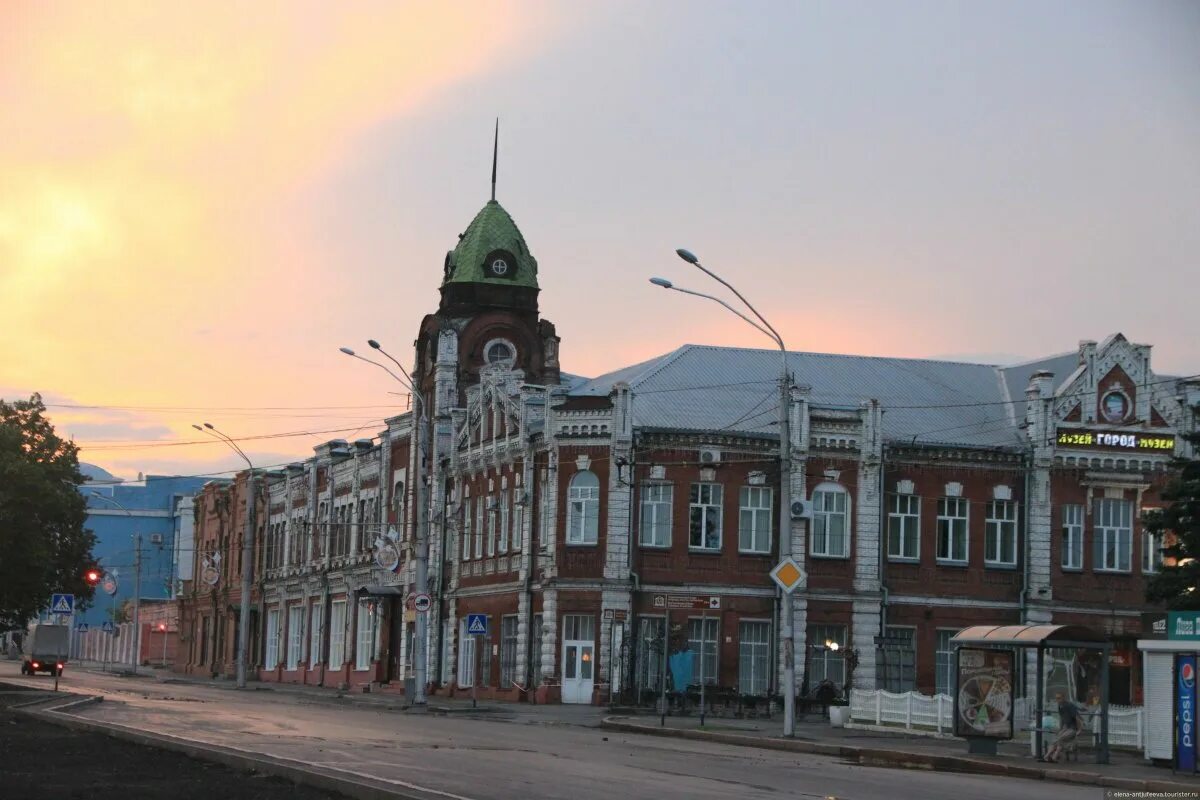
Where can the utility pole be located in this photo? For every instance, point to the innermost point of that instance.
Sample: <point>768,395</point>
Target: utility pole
<point>137,600</point>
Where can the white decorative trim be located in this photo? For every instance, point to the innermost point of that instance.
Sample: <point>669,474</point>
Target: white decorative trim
<point>1002,492</point>
<point>954,489</point>
<point>658,472</point>
<point>757,478</point>
<point>583,462</point>
<point>905,487</point>
<point>833,475</point>
<point>708,474</point>
<point>1114,493</point>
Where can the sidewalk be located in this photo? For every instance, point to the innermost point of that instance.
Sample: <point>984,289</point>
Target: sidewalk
<point>551,714</point>
<point>1127,771</point>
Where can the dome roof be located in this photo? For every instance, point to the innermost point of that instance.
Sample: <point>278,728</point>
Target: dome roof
<point>492,251</point>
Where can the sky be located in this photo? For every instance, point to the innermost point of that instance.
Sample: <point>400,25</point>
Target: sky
<point>198,210</point>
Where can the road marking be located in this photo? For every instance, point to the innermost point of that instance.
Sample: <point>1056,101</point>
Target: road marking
<point>305,765</point>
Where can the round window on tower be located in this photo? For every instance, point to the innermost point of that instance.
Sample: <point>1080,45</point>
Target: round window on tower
<point>498,351</point>
<point>500,264</point>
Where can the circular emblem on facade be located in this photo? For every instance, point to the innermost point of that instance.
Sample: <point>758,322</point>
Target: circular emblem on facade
<point>1115,406</point>
<point>500,264</point>
<point>387,557</point>
<point>109,585</point>
<point>210,575</point>
<point>499,267</point>
<point>1187,675</point>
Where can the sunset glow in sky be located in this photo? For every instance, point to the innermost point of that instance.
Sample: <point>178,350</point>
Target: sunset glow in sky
<point>198,209</point>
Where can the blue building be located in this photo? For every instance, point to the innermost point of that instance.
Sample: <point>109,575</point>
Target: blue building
<point>159,509</point>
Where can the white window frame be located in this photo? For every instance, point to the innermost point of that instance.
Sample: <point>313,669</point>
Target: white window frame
<point>315,632</point>
<point>1152,557</point>
<point>272,655</point>
<point>825,499</point>
<point>493,524</point>
<point>583,509</point>
<point>702,498</point>
<point>755,505</point>
<point>654,520</point>
<point>956,525</point>
<point>502,548</point>
<point>337,634</point>
<point>649,658</point>
<point>480,525</point>
<point>904,519</point>
<point>704,640</point>
<point>823,660</point>
<point>509,653</point>
<point>466,655</point>
<point>295,636</point>
<point>1071,555</point>
<point>364,637</point>
<point>467,526</point>
<point>1113,526</point>
<point>1001,516</point>
<point>754,656</point>
<point>943,661</point>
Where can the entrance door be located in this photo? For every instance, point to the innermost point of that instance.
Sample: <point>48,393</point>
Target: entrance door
<point>579,658</point>
<point>395,638</point>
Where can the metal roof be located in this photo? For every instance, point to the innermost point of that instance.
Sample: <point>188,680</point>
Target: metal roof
<point>704,388</point>
<point>1027,635</point>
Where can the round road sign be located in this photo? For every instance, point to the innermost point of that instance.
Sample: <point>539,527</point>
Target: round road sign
<point>422,603</point>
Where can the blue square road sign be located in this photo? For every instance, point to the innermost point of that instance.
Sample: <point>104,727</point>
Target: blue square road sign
<point>477,624</point>
<point>62,604</point>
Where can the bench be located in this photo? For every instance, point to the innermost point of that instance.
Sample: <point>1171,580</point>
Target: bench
<point>1070,751</point>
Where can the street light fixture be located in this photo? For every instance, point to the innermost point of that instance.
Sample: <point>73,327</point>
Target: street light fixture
<point>421,557</point>
<point>243,644</point>
<point>785,465</point>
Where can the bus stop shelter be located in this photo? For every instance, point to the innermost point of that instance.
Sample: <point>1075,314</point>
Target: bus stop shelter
<point>1042,638</point>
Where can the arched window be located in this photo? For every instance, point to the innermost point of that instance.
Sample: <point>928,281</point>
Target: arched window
<point>831,521</point>
<point>583,513</point>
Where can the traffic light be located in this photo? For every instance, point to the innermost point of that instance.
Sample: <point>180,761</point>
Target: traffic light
<point>162,627</point>
<point>92,575</point>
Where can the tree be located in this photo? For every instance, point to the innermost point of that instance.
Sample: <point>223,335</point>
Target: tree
<point>1177,525</point>
<point>44,547</point>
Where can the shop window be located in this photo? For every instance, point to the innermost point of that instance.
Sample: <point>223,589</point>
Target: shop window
<point>754,658</point>
<point>896,661</point>
<point>702,640</point>
<point>827,655</point>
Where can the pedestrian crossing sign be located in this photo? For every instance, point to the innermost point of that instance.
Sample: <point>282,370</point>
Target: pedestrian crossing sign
<point>62,604</point>
<point>477,625</point>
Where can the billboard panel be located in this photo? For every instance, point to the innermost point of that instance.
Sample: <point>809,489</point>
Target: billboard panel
<point>983,704</point>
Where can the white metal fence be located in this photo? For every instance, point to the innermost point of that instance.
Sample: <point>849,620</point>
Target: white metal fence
<point>934,716</point>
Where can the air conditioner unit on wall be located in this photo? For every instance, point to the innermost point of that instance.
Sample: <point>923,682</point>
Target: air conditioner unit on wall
<point>156,538</point>
<point>801,509</point>
<point>710,456</point>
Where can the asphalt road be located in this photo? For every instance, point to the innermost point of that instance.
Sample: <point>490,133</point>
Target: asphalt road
<point>522,756</point>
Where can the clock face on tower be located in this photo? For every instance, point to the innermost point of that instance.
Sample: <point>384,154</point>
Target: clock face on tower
<point>500,264</point>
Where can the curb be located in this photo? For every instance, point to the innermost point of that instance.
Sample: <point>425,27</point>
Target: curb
<point>901,759</point>
<point>357,787</point>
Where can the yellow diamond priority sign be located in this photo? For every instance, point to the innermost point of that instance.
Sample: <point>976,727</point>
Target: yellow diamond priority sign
<point>788,575</point>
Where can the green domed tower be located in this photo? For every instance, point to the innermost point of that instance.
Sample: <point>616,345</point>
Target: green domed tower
<point>491,267</point>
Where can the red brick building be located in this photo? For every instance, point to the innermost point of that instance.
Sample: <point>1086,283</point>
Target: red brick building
<point>568,511</point>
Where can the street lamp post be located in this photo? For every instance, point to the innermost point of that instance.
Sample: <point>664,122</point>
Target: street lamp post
<point>137,581</point>
<point>421,557</point>
<point>785,469</point>
<point>243,643</point>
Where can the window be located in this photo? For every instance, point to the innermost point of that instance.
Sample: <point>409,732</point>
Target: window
<point>545,523</point>
<point>650,654</point>
<point>904,527</point>
<point>365,641</point>
<point>493,519</point>
<point>1072,537</point>
<point>485,657</point>
<point>826,662</point>
<point>536,650</point>
<point>831,521</point>
<point>314,634</point>
<point>503,547</point>
<point>447,635</point>
<point>295,635</point>
<point>1000,534</point>
<point>952,529</point>
<point>944,662</point>
<point>895,661</point>
<point>754,520</point>
<point>655,516</point>
<point>204,642</point>
<point>508,652</point>
<point>1114,535</point>
<point>583,516</point>
<point>518,523</point>
<point>466,528</point>
<point>702,640</point>
<point>337,634</point>
<point>754,658</point>
<point>480,524</point>
<point>705,512</point>
<point>272,659</point>
<point>498,352</point>
<point>466,656</point>
<point>1152,556</point>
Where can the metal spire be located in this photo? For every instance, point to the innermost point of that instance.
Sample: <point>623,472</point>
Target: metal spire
<point>495,152</point>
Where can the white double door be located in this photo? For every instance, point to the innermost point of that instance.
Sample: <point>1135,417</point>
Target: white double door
<point>579,658</point>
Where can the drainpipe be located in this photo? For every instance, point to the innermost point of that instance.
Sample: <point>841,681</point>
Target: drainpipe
<point>883,539</point>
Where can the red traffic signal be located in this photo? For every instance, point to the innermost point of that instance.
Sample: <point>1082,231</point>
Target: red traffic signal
<point>93,575</point>
<point>162,626</point>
